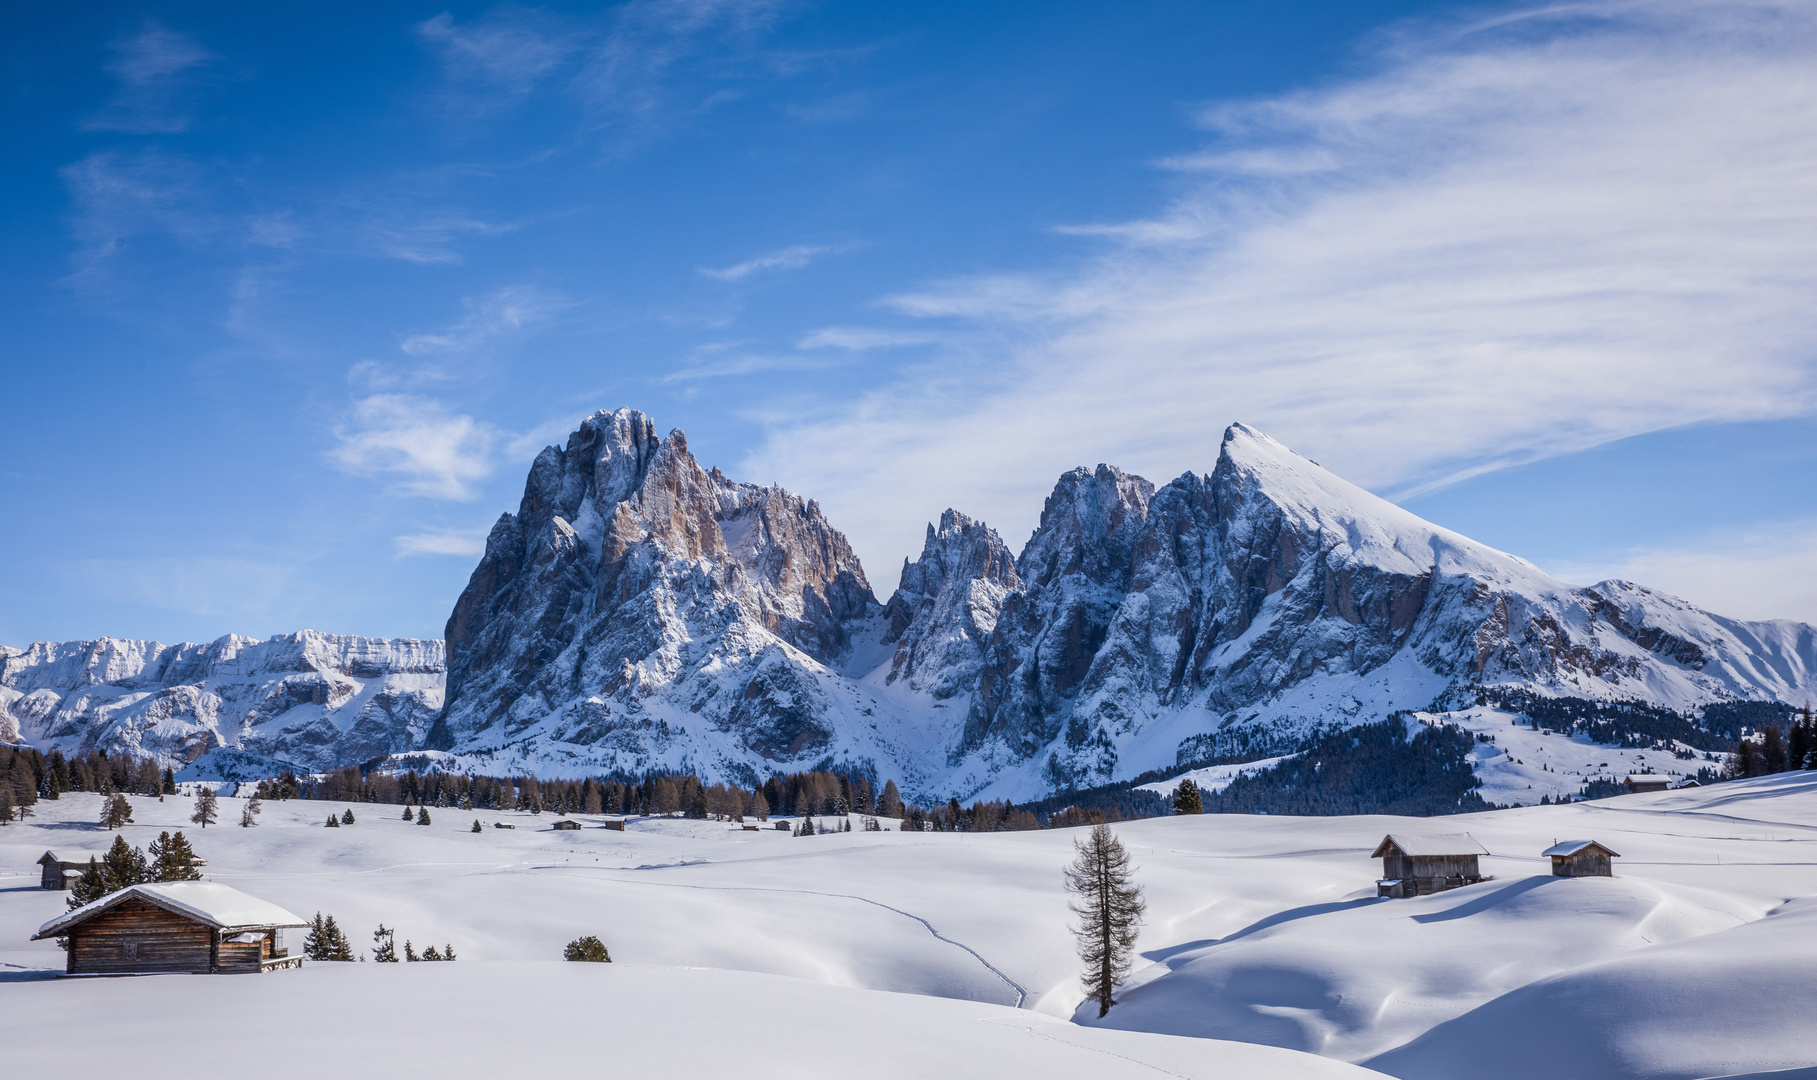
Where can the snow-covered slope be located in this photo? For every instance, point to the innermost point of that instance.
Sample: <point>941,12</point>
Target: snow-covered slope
<point>309,699</point>
<point>1693,961</point>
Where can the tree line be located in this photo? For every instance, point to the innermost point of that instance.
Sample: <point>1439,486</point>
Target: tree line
<point>1771,750</point>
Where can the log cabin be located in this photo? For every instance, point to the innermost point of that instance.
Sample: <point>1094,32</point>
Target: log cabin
<point>61,871</point>
<point>567,823</point>
<point>1640,782</point>
<point>194,927</point>
<point>1581,858</point>
<point>1414,865</point>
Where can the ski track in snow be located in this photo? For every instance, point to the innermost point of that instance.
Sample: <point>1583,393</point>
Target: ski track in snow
<point>1021,991</point>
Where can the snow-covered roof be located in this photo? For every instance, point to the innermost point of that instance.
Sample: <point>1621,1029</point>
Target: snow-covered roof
<point>1430,844</point>
<point>1646,779</point>
<point>1567,848</point>
<point>219,906</point>
<point>51,856</point>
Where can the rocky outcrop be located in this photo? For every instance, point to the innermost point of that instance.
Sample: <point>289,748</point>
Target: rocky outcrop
<point>644,611</point>
<point>947,606</point>
<point>310,699</point>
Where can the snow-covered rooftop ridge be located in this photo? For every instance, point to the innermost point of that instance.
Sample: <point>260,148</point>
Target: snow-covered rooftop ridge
<point>1564,849</point>
<point>219,906</point>
<point>1431,844</point>
<point>1378,531</point>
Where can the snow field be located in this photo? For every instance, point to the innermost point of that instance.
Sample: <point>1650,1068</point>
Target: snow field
<point>1263,930</point>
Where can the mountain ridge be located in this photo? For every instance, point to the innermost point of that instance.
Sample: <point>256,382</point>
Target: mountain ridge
<point>640,611</point>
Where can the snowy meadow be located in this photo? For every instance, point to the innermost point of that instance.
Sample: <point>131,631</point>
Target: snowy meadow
<point>1265,951</point>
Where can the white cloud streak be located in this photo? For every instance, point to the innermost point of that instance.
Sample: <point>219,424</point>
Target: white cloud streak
<point>419,445</point>
<point>467,543</point>
<point>1757,574</point>
<point>153,68</point>
<point>789,258</point>
<point>488,320</point>
<point>1509,240</point>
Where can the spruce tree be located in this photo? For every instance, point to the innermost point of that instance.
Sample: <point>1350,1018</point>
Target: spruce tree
<point>384,945</point>
<point>123,865</point>
<point>1186,798</point>
<point>347,816</point>
<point>333,822</point>
<point>1773,750</point>
<point>173,859</point>
<point>408,816</point>
<point>422,815</point>
<point>410,953</point>
<point>476,826</point>
<point>115,812</point>
<point>205,814</point>
<point>6,806</point>
<point>1109,906</point>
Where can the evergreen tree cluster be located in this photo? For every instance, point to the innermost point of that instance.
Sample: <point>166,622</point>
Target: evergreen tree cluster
<point>384,948</point>
<point>325,941</point>
<point>1370,769</point>
<point>28,775</point>
<point>171,859</point>
<point>1771,750</point>
<point>993,816</point>
<point>1627,724</point>
<point>1186,798</point>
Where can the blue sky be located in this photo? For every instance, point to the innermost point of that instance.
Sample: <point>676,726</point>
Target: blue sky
<point>293,297</point>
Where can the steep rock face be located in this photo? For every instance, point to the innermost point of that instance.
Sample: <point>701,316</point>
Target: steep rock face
<point>947,606</point>
<point>1247,605</point>
<point>645,611</point>
<point>315,700</point>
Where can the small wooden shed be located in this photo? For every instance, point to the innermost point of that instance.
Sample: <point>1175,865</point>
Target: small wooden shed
<point>194,927</point>
<point>61,871</point>
<point>1581,858</point>
<point>615,824</point>
<point>1647,782</point>
<point>567,824</point>
<point>1417,864</point>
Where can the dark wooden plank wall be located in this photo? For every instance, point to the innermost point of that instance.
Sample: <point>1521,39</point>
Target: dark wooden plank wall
<point>1590,862</point>
<point>163,942</point>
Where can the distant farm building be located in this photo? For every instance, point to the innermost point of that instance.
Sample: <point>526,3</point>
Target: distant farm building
<point>1581,858</point>
<point>61,872</point>
<point>193,927</point>
<point>567,824</point>
<point>1414,865</point>
<point>1647,782</point>
<point>618,826</point>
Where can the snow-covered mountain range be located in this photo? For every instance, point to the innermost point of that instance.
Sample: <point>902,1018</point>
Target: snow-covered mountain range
<point>642,611</point>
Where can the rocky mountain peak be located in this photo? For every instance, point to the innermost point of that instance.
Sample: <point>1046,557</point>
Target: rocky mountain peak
<point>948,604</point>
<point>1089,527</point>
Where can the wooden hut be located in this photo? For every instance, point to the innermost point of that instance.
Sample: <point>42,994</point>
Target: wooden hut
<point>1647,782</point>
<point>1414,865</point>
<point>196,927</point>
<point>61,871</point>
<point>616,824</point>
<point>567,824</point>
<point>1581,858</point>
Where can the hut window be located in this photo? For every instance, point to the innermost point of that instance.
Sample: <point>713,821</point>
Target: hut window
<point>132,950</point>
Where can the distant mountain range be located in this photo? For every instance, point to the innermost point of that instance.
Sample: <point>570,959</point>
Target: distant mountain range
<point>639,612</point>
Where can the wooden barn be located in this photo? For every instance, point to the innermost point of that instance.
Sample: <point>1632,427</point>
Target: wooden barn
<point>617,825</point>
<point>194,927</point>
<point>1640,782</point>
<point>1414,865</point>
<point>566,824</point>
<point>1581,858</point>
<point>61,871</point>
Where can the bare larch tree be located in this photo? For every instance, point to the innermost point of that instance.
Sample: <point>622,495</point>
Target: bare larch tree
<point>1109,906</point>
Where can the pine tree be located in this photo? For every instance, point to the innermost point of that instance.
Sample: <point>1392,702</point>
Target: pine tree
<point>124,865</point>
<point>1109,906</point>
<point>384,945</point>
<point>250,813</point>
<point>347,816</point>
<point>1773,750</point>
<point>889,804</point>
<point>431,953</point>
<point>408,816</point>
<point>588,949</point>
<point>172,859</point>
<point>333,822</point>
<point>1798,744</point>
<point>205,814</point>
<point>91,886</point>
<point>410,953</point>
<point>115,812</point>
<point>422,815</point>
<point>1186,798</point>
<point>6,806</point>
<point>170,782</point>
<point>447,951</point>
<point>476,826</point>
<point>326,941</point>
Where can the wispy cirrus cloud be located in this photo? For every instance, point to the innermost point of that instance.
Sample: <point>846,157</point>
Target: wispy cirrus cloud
<point>417,444</point>
<point>793,257</point>
<point>1503,240</point>
<point>511,50</point>
<point>462,542</point>
<point>154,69</point>
<point>489,319</point>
